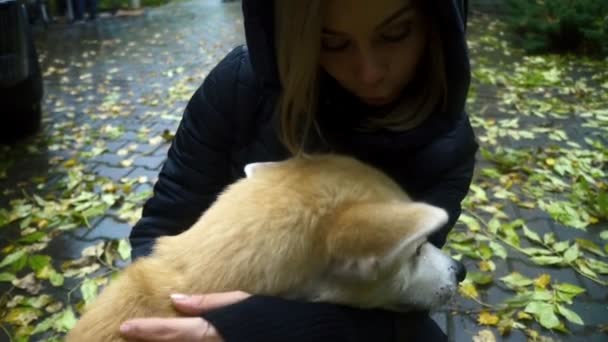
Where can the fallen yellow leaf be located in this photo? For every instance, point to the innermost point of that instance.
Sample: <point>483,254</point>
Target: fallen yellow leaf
<point>42,224</point>
<point>542,281</point>
<point>468,290</point>
<point>70,163</point>
<point>550,161</point>
<point>487,318</point>
<point>523,315</point>
<point>487,266</point>
<point>127,188</point>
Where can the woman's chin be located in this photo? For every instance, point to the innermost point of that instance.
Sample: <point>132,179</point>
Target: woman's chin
<point>376,101</point>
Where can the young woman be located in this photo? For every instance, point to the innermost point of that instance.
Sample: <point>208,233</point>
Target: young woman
<point>384,81</point>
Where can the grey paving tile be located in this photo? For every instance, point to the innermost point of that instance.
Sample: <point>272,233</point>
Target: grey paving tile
<point>510,209</point>
<point>463,328</point>
<point>462,305</point>
<point>162,151</point>
<point>162,125</point>
<point>492,292</point>
<point>114,146</point>
<point>114,173</point>
<point>568,233</point>
<point>592,313</point>
<point>109,158</point>
<point>590,337</point>
<point>514,336</point>
<point>594,290</point>
<point>502,266</point>
<point>146,149</point>
<point>129,136</point>
<point>66,247</point>
<point>497,294</point>
<point>107,228</point>
<point>137,172</point>
<point>540,226</point>
<point>150,162</point>
<point>533,214</point>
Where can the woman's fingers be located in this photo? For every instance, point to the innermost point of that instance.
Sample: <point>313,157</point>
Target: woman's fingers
<point>191,329</point>
<point>182,329</point>
<point>197,304</point>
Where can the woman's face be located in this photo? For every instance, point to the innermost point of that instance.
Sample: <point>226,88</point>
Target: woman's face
<point>372,48</point>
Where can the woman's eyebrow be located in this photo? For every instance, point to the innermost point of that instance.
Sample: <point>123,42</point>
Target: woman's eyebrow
<point>408,8</point>
<point>391,18</point>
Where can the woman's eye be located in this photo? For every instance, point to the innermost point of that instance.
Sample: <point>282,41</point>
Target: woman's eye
<point>334,43</point>
<point>397,34</point>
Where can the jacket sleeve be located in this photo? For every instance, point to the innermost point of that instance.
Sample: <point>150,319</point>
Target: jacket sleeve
<point>268,319</point>
<point>448,194</point>
<point>197,166</point>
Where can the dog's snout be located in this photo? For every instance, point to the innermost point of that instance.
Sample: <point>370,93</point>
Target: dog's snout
<point>460,271</point>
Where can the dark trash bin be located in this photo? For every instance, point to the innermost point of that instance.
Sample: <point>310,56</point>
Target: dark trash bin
<point>20,78</point>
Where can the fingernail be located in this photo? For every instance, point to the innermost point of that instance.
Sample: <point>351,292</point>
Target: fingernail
<point>125,328</point>
<point>179,296</point>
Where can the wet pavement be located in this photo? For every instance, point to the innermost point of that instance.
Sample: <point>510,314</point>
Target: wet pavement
<point>115,90</point>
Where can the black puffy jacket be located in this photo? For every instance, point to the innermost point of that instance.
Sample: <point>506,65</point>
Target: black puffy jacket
<point>229,123</point>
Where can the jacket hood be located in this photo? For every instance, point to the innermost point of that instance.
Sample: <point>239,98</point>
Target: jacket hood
<point>259,33</point>
<point>258,17</point>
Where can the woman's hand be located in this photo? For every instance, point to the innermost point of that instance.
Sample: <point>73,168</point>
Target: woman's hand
<point>188,329</point>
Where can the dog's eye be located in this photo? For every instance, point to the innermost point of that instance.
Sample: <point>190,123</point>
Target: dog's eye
<point>419,250</point>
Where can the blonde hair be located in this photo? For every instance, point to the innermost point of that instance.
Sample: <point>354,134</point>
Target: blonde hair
<point>298,25</point>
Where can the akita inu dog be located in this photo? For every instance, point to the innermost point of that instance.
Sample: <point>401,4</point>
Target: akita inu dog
<point>320,228</point>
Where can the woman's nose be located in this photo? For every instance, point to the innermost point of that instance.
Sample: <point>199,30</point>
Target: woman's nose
<point>372,70</point>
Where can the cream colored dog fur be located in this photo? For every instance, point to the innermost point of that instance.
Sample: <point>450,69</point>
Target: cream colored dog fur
<point>320,228</point>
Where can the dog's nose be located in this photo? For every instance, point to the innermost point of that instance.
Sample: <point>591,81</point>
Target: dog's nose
<point>461,271</point>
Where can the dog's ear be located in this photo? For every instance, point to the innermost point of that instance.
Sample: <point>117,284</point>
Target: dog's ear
<point>364,237</point>
<point>251,169</point>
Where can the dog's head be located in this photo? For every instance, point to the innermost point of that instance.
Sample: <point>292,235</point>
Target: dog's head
<point>377,251</point>
<point>381,257</point>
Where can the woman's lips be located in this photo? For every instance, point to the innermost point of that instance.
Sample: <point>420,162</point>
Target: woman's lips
<point>376,101</point>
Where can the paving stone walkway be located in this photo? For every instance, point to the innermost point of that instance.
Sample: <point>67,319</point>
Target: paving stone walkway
<point>129,78</point>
